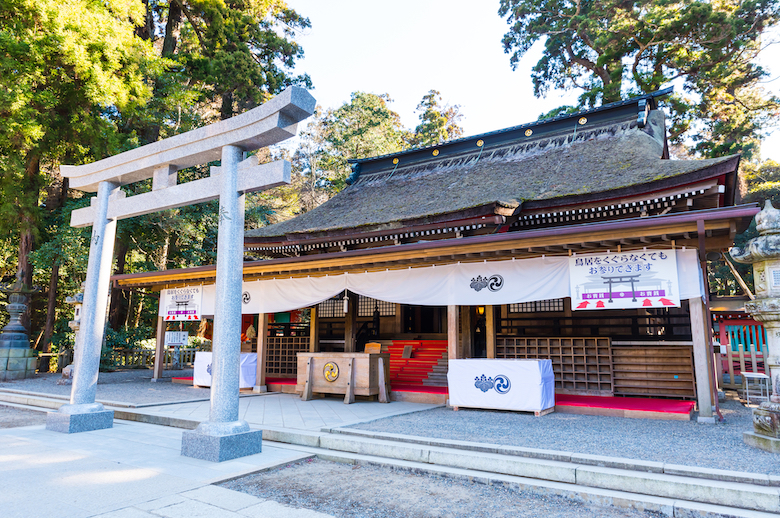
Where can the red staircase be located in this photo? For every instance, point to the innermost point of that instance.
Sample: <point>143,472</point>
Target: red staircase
<point>426,368</point>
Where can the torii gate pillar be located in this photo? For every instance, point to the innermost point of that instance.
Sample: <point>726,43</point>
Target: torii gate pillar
<point>83,413</point>
<point>223,436</point>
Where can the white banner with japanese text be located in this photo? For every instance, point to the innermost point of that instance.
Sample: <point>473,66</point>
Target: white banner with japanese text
<point>637,279</point>
<point>490,282</point>
<point>178,304</point>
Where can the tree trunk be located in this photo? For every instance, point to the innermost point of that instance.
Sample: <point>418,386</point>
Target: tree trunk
<point>51,314</point>
<point>117,311</point>
<point>139,311</point>
<point>170,39</point>
<point>162,260</point>
<point>171,29</point>
<point>27,225</point>
<point>146,31</point>
<point>226,110</point>
<point>56,194</point>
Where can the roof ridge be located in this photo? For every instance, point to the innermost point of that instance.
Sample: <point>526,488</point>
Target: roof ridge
<point>536,123</point>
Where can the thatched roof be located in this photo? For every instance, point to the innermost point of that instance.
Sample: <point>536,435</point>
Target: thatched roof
<point>604,157</point>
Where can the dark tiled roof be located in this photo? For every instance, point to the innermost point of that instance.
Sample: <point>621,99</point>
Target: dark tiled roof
<point>607,155</point>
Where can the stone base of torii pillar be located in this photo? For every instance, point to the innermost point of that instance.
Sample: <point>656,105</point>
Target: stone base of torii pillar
<point>223,436</point>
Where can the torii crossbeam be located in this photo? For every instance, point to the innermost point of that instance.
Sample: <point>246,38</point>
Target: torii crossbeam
<point>223,436</point>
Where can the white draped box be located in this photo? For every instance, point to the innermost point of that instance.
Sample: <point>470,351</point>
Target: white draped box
<point>202,370</point>
<point>521,385</point>
<point>521,280</point>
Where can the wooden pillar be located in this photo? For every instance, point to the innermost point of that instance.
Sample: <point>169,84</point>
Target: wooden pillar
<point>466,324</point>
<point>314,330</point>
<point>159,353</point>
<point>701,357</point>
<point>398,326</point>
<point>452,332</point>
<point>350,325</point>
<point>262,343</point>
<point>490,331</point>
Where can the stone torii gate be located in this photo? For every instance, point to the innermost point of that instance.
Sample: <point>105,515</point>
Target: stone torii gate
<point>223,436</point>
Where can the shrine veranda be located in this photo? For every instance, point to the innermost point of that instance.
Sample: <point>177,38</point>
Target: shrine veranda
<point>468,249</point>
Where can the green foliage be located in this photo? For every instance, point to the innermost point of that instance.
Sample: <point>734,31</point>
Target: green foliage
<point>363,127</point>
<point>611,49</point>
<point>61,65</point>
<point>437,123</point>
<point>241,51</point>
<point>762,183</point>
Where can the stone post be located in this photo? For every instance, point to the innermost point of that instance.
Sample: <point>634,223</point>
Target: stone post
<point>224,436</point>
<point>83,413</point>
<point>763,252</point>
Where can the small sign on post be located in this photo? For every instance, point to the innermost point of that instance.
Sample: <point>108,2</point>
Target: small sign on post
<point>176,339</point>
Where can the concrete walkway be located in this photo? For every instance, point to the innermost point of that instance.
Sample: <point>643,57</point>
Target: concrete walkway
<point>135,469</point>
<point>289,411</point>
<point>128,471</point>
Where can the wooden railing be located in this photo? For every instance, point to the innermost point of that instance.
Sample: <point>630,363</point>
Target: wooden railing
<point>128,358</point>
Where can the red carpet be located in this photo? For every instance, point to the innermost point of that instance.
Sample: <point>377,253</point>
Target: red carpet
<point>396,387</point>
<point>412,371</point>
<point>182,379</point>
<point>281,381</point>
<point>670,406</point>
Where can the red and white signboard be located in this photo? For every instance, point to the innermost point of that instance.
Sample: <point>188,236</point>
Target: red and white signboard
<point>178,304</point>
<point>638,279</point>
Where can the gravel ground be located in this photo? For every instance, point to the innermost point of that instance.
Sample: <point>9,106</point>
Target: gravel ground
<point>11,417</point>
<point>690,443</point>
<point>126,386</point>
<point>349,491</point>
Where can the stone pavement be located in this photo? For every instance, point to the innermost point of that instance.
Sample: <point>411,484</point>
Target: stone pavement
<point>135,469</point>
<point>289,411</point>
<point>128,471</point>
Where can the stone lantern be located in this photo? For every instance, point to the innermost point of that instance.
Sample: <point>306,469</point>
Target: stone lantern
<point>17,359</point>
<point>76,301</point>
<point>763,252</point>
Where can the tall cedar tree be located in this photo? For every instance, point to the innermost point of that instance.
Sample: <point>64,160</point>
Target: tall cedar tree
<point>612,48</point>
<point>66,67</point>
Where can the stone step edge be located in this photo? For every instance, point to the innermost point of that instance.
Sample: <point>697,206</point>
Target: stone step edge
<point>578,458</point>
<point>312,439</point>
<point>708,491</point>
<point>616,498</point>
<point>296,439</point>
<point>6,394</point>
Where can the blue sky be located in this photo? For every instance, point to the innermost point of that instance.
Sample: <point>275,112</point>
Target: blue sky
<point>407,47</point>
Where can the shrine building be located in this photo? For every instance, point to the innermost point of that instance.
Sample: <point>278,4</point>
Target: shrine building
<point>536,241</point>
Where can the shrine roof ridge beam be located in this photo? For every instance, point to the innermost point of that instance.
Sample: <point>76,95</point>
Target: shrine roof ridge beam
<point>293,240</point>
<point>269,123</point>
<point>602,114</point>
<point>551,236</point>
<point>252,178</point>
